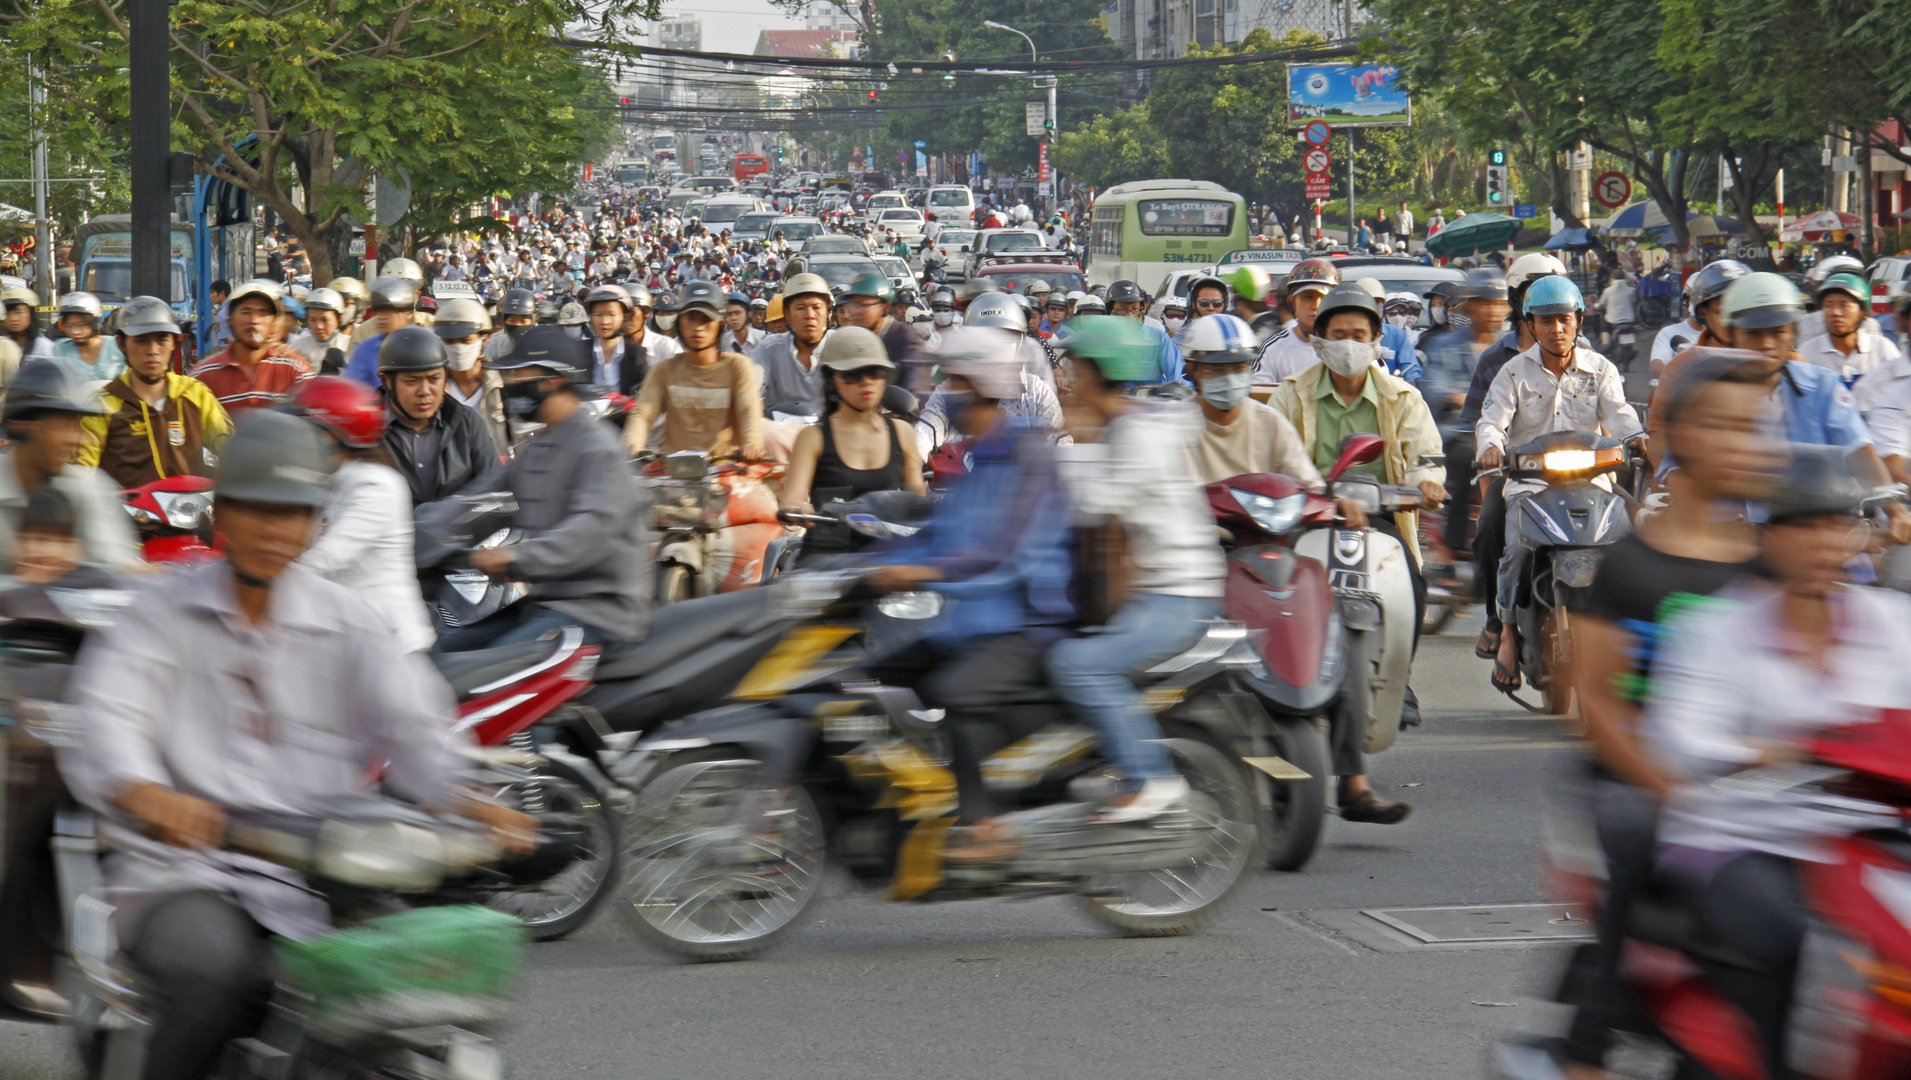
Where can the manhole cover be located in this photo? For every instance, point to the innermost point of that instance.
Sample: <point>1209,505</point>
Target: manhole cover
<point>1484,923</point>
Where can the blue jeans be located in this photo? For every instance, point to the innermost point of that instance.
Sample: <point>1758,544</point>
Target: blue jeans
<point>522,621</point>
<point>1091,673</point>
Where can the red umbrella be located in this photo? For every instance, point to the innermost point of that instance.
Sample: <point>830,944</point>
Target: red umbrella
<point>1817,226</point>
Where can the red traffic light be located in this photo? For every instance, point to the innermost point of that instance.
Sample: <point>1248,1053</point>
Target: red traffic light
<point>872,95</point>
<point>623,101</point>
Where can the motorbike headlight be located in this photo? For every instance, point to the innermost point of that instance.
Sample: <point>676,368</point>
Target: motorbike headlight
<point>385,855</point>
<point>188,510</point>
<point>496,539</point>
<point>1579,460</point>
<point>1274,515</point>
<point>911,605</point>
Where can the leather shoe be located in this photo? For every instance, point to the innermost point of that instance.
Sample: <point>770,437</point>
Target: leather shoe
<point>1373,810</point>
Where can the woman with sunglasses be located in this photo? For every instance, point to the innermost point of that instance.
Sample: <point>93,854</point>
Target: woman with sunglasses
<point>856,448</point>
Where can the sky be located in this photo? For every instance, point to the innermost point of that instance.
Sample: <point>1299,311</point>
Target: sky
<point>731,25</point>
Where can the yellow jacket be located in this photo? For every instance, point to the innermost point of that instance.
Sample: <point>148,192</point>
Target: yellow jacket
<point>135,446</point>
<point>1405,422</point>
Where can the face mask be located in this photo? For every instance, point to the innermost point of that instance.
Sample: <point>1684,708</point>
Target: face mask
<point>522,399</point>
<point>1174,323</point>
<point>515,332</point>
<point>1459,321</point>
<point>1226,392</point>
<point>1438,316</point>
<point>1404,322</point>
<point>945,318</point>
<point>1346,358</point>
<point>462,357</point>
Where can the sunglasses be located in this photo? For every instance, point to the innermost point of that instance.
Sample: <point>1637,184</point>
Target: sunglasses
<point>1209,305</point>
<point>864,375</point>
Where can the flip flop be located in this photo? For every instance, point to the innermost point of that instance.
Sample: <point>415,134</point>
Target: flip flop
<point>1486,651</point>
<point>1505,681</point>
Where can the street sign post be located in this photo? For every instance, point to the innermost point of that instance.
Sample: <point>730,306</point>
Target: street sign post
<point>1319,165</point>
<point>1317,161</point>
<point>1035,118</point>
<point>1524,210</point>
<point>1317,133</point>
<point>1612,190</point>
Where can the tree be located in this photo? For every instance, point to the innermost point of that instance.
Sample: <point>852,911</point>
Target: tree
<point>300,102</point>
<point>79,145</point>
<point>1112,149</point>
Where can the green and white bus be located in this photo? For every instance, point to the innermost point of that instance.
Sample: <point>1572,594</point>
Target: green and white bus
<point>1144,230</point>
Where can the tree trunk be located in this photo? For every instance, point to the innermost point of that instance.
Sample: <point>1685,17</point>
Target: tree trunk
<point>1562,202</point>
<point>1748,183</point>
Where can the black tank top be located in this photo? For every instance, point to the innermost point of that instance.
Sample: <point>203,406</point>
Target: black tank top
<point>835,480</point>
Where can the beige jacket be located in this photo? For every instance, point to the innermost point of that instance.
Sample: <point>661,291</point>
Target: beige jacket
<point>1405,422</point>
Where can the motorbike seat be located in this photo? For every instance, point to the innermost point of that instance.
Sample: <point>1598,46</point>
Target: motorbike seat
<point>678,629</point>
<point>466,671</point>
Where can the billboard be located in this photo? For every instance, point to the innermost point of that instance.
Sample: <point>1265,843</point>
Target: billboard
<point>1345,95</point>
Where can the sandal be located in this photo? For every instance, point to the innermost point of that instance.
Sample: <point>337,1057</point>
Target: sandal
<point>1504,680</point>
<point>1487,645</point>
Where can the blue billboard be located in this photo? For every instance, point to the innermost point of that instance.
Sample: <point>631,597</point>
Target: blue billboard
<point>1345,95</point>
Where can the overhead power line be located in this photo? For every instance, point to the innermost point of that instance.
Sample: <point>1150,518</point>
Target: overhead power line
<point>1328,51</point>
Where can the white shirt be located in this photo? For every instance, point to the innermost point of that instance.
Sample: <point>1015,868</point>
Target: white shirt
<point>365,544</point>
<point>1284,356</point>
<point>1672,340</point>
<point>1527,401</point>
<point>1142,475</point>
<point>1872,353</point>
<point>1616,302</point>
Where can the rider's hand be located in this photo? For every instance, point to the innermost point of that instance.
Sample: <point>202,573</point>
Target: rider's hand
<point>177,819</point>
<point>516,832</point>
<point>1492,458</point>
<point>493,562</point>
<point>1352,514</point>
<point>1900,521</point>
<point>1432,495</point>
<point>901,578</point>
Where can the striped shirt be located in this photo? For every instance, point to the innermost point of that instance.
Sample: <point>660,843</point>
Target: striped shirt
<point>274,375</point>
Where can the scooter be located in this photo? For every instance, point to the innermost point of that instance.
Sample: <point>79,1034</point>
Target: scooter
<point>447,532</point>
<point>714,523</point>
<point>174,519</point>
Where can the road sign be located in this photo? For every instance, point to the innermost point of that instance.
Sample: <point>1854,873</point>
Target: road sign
<point>1612,190</point>
<point>1035,118</point>
<point>1319,186</point>
<point>1317,133</point>
<point>1524,210</point>
<point>1316,160</point>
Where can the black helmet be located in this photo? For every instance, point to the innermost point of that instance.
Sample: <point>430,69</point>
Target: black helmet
<point>702,296</point>
<point>550,347</point>
<point>1485,283</point>
<point>410,348</point>
<point>873,284</point>
<point>518,302</point>
<point>1818,483</point>
<point>42,385</point>
<point>548,311</point>
<point>1207,282</point>
<point>394,294</point>
<point>1125,292</point>
<point>1447,291</point>
<point>1348,297</point>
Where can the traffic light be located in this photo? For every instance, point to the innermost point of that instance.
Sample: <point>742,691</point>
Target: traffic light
<point>948,58</point>
<point>872,95</point>
<point>1496,178</point>
<point>623,101</point>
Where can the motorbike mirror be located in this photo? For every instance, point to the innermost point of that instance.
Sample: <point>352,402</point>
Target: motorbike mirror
<point>899,401</point>
<point>1358,449</point>
<point>1433,459</point>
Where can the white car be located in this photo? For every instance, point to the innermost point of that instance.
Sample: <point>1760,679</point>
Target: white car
<point>906,224</point>
<point>897,271</point>
<point>998,241</point>
<point>881,201</point>
<point>951,246</point>
<point>951,204</point>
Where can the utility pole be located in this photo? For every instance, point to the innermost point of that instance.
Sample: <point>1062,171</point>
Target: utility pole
<point>42,240</point>
<point>1350,188</point>
<point>149,80</point>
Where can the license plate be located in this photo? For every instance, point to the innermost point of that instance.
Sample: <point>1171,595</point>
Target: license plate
<point>1627,339</point>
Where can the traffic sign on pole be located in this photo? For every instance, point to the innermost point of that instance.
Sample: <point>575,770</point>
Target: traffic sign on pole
<point>1612,190</point>
<point>1525,210</point>
<point>1317,133</point>
<point>1317,161</point>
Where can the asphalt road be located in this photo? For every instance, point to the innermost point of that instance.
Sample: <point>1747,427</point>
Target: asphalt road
<point>1001,989</point>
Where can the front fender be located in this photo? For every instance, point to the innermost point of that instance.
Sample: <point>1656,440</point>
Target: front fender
<point>764,732</point>
<point>687,553</point>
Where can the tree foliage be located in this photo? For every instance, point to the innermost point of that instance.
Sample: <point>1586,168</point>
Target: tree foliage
<point>300,102</point>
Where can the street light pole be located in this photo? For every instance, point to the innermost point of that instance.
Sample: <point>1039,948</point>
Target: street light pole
<point>1054,119</point>
<point>149,146</point>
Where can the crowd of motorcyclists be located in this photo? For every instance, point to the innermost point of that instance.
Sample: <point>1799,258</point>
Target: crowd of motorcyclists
<point>1692,580</point>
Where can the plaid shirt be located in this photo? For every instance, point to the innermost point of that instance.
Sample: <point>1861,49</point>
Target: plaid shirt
<point>275,375</point>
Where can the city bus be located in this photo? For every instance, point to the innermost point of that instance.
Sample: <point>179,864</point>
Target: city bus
<point>744,166</point>
<point>1144,230</point>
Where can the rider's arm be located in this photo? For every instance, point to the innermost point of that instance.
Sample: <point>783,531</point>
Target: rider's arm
<point>103,526</point>
<point>1602,663</point>
<point>746,408</point>
<point>911,458</point>
<point>1616,417</point>
<point>601,504</point>
<point>1420,436</point>
<point>1496,415</point>
<point>804,454</point>
<point>650,402</point>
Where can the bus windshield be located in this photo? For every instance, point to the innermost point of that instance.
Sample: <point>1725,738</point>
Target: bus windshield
<point>1186,217</point>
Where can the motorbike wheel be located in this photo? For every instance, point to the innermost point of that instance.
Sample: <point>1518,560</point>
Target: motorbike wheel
<point>674,585</point>
<point>1183,899</point>
<point>1554,643</point>
<point>553,908</point>
<point>1298,817</point>
<point>1436,618</point>
<point>701,884</point>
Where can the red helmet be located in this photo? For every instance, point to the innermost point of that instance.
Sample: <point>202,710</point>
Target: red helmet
<point>1318,275</point>
<point>350,410</point>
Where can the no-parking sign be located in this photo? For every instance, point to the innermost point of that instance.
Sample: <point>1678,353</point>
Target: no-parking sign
<point>1612,190</point>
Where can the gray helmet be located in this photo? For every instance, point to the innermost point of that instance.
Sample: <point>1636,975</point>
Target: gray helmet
<point>1347,297</point>
<point>392,293</point>
<point>1485,283</point>
<point>1091,305</point>
<point>609,292</point>
<point>410,348</point>
<point>703,296</point>
<point>998,310</point>
<point>553,348</point>
<point>640,296</point>
<point>1038,287</point>
<point>1711,280</point>
<point>402,268</point>
<point>145,315</point>
<point>1125,292</point>
<point>518,302</point>
<point>42,385</point>
<point>274,458</point>
<point>1818,483</point>
<point>324,300</point>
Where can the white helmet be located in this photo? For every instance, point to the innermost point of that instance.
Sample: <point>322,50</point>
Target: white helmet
<point>1835,264</point>
<point>1218,339</point>
<point>80,303</point>
<point>1527,267</point>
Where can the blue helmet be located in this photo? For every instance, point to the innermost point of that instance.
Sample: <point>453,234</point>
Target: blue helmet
<point>1553,295</point>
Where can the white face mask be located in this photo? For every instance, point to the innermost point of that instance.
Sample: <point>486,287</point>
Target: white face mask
<point>1174,323</point>
<point>462,357</point>
<point>945,318</point>
<point>1403,321</point>
<point>1346,358</point>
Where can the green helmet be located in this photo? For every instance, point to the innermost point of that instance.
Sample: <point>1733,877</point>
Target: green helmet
<point>1850,284</point>
<point>873,284</point>
<point>1761,301</point>
<point>1250,283</point>
<point>1120,348</point>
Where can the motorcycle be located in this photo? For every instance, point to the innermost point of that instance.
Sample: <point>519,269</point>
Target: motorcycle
<point>740,807</point>
<point>447,532</point>
<point>1318,611</point>
<point>714,523</point>
<point>1566,525</point>
<point>173,517</point>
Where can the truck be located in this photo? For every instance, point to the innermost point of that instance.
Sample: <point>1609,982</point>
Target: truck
<point>103,249</point>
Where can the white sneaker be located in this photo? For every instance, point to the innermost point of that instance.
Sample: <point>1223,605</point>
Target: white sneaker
<point>1158,795</point>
